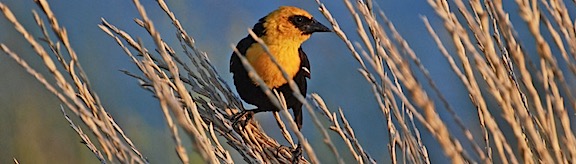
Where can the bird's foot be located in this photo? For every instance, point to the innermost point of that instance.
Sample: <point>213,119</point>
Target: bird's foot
<point>283,149</point>
<point>295,151</point>
<point>237,121</point>
<point>297,154</point>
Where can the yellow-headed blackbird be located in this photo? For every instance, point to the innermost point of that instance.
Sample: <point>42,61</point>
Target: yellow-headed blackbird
<point>283,30</point>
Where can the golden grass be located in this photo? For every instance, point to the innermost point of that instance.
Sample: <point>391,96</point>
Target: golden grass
<point>488,59</point>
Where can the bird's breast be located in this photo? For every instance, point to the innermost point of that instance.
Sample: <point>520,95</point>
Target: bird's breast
<point>287,57</point>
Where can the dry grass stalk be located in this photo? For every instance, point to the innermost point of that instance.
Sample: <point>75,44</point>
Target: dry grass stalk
<point>497,70</point>
<point>283,129</point>
<point>347,135</point>
<point>248,141</point>
<point>85,139</point>
<point>75,94</point>
<point>385,50</point>
<point>490,62</point>
<point>163,89</point>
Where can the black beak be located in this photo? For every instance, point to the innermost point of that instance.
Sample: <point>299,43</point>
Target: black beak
<point>316,26</point>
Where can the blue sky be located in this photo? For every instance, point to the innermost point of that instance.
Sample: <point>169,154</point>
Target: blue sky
<point>218,24</point>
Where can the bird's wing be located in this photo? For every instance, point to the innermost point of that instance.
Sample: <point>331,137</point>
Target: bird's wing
<point>304,63</point>
<point>244,44</point>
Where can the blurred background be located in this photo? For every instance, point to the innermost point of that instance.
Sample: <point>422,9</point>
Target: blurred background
<point>33,129</point>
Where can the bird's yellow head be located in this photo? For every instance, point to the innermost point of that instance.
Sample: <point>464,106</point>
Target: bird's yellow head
<point>283,30</point>
<point>289,23</point>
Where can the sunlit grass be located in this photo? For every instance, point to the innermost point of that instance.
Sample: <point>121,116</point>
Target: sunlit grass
<point>532,92</point>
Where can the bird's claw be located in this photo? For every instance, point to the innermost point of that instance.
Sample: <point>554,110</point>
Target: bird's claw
<point>295,151</point>
<point>282,148</point>
<point>296,154</point>
<point>237,119</point>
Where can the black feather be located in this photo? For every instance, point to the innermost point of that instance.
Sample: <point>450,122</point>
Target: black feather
<point>252,94</point>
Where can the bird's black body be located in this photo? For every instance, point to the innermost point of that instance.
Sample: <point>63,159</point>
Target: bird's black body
<point>299,26</point>
<point>253,94</point>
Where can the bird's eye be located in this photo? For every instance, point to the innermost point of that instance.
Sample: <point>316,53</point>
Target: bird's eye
<point>299,19</point>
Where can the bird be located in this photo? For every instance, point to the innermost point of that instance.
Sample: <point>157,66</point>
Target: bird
<point>283,31</point>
